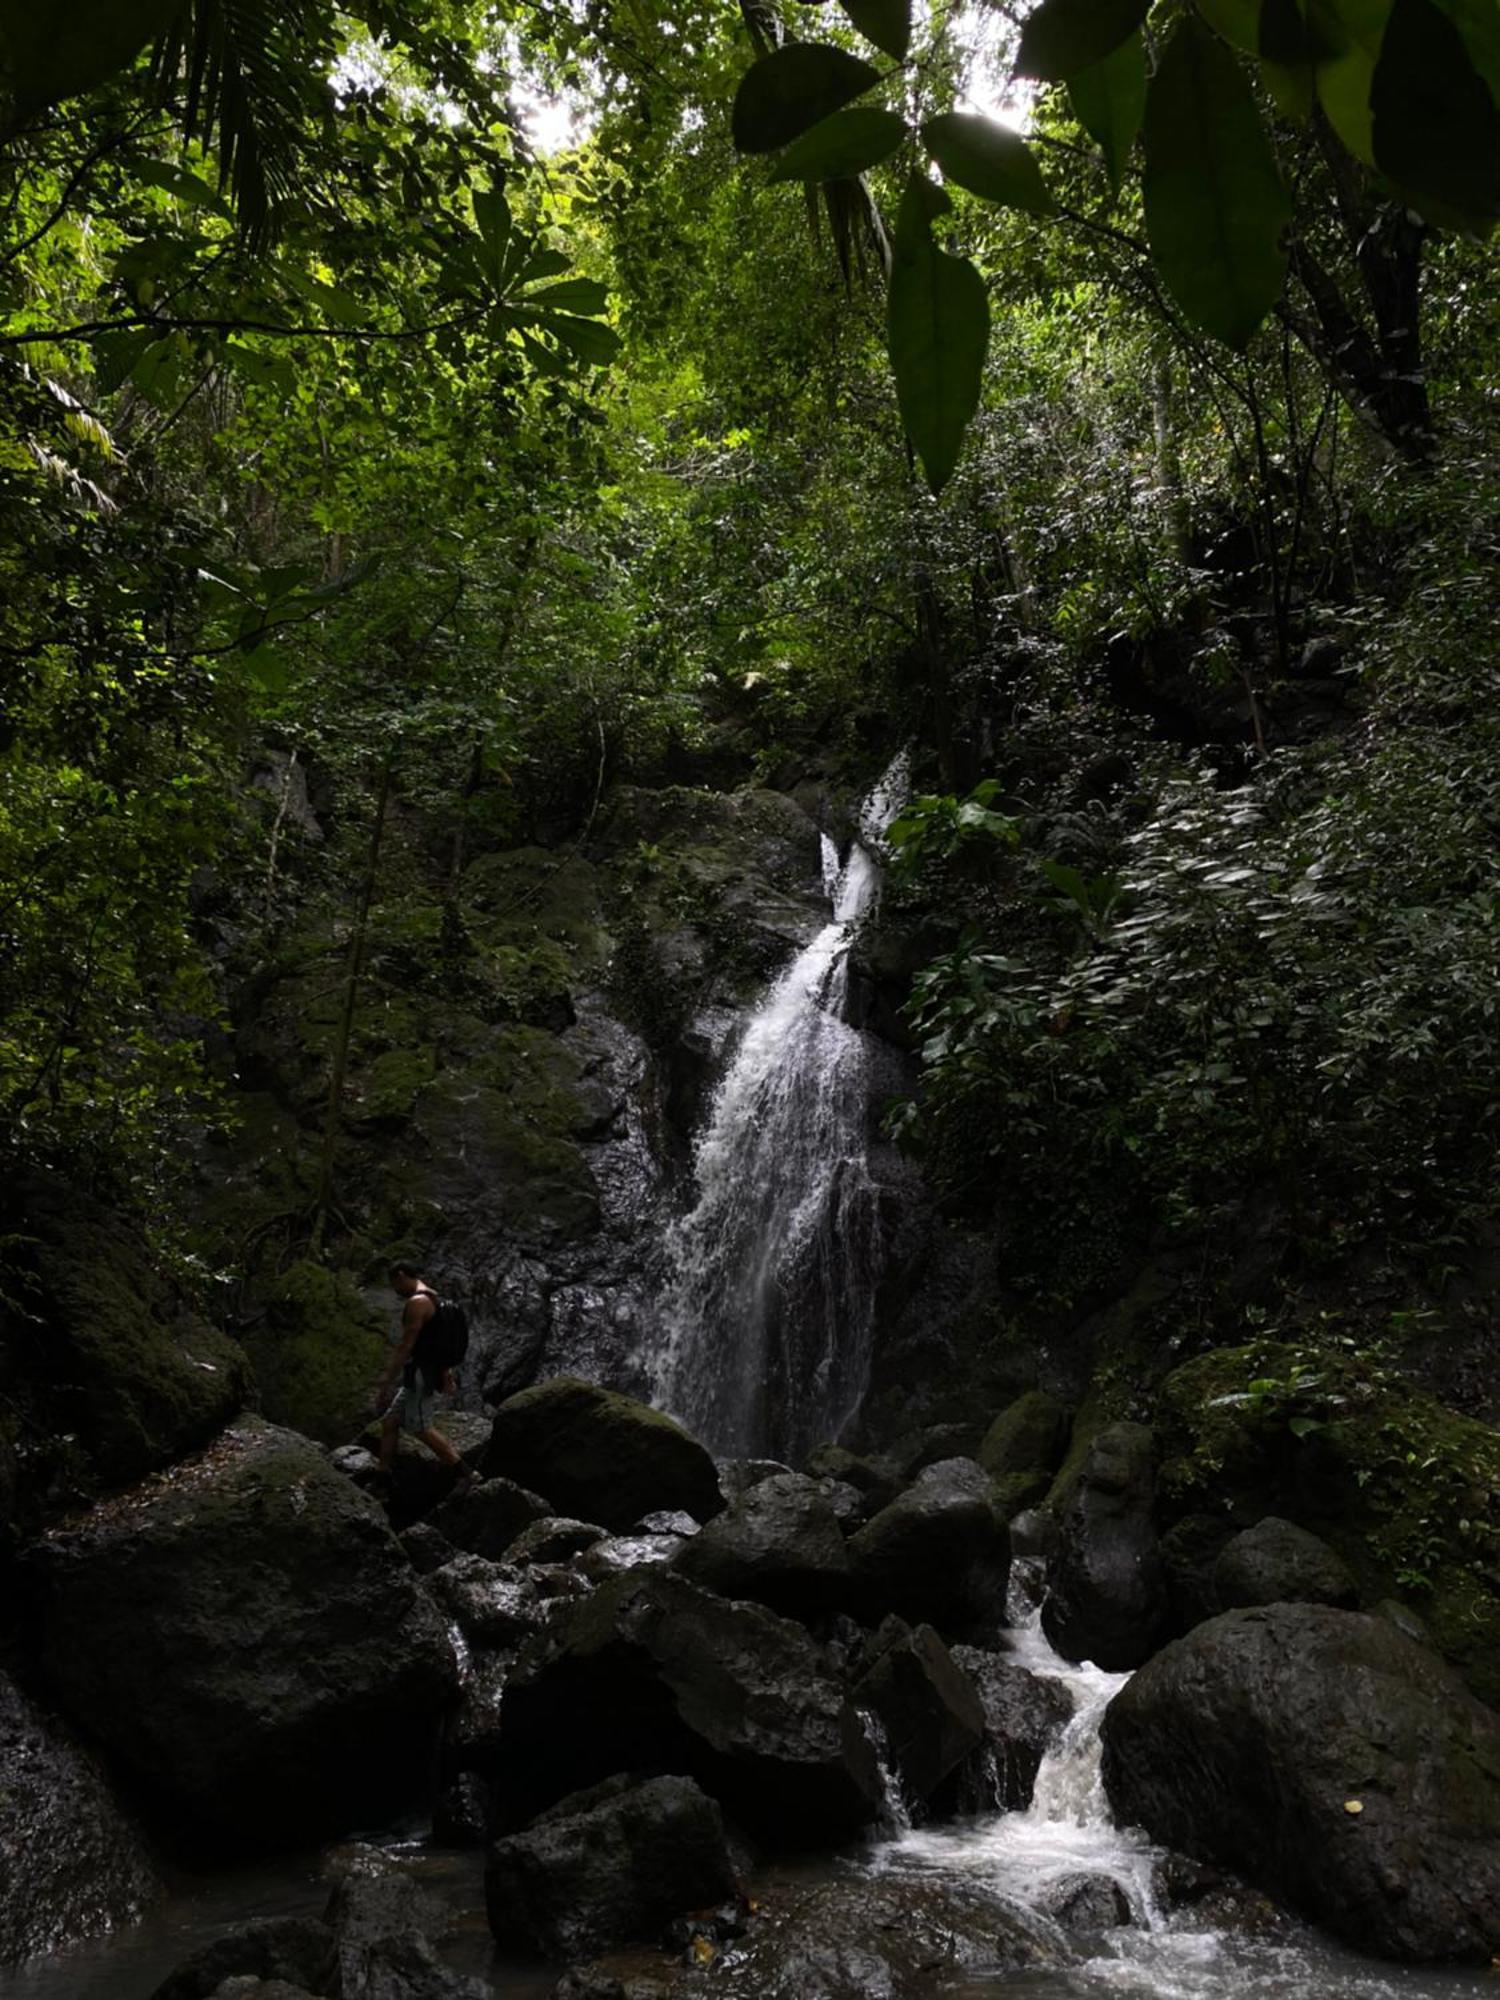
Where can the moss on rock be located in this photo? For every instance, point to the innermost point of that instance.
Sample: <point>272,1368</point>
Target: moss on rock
<point>318,1354</point>
<point>1406,1491</point>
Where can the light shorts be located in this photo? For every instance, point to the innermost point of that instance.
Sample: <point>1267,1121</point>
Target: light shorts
<point>412,1404</point>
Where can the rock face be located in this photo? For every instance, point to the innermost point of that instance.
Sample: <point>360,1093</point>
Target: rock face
<point>239,1633</point>
<point>779,1543</point>
<point>937,1553</point>
<point>1276,1562</point>
<point>1023,1716</point>
<point>651,1672</point>
<point>599,1455</point>
<point>71,1864</point>
<point>1108,1590</point>
<point>1334,1762</point>
<point>609,1865</point>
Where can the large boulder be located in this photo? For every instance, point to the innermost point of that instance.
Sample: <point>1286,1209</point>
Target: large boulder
<point>1276,1562</point>
<point>926,1713</point>
<point>1107,1596</point>
<point>1337,1764</point>
<point>608,1865</point>
<point>779,1542</point>
<point>599,1455</point>
<point>486,1518</point>
<point>240,1633</point>
<point>71,1864</point>
<point>383,1926</point>
<point>886,1937</point>
<point>938,1553</point>
<point>491,1604</point>
<point>297,1950</point>
<point>653,1673</point>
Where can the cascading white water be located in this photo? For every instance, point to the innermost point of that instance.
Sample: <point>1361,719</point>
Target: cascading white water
<point>1024,1858</point>
<point>768,1309</point>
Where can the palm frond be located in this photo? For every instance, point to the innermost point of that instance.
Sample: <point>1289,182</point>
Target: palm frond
<point>248,75</point>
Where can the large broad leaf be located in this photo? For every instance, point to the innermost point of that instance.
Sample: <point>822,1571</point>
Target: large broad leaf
<point>1355,30</point>
<point>988,159</point>
<point>886,23</point>
<point>841,146</point>
<point>1238,21</point>
<point>1436,123</point>
<point>939,327</point>
<point>1215,205</point>
<point>792,88</point>
<point>1109,102</point>
<point>589,339</point>
<point>51,53</point>
<point>492,213</point>
<point>579,295</point>
<point>1065,36</point>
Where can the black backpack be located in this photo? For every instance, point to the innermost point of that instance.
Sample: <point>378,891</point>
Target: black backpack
<point>443,1342</point>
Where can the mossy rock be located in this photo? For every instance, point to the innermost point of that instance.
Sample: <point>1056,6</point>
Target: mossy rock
<point>1030,1436</point>
<point>107,1349</point>
<point>1406,1491</point>
<point>524,896</point>
<point>319,1353</point>
<point>386,1094</point>
<point>474,1134</point>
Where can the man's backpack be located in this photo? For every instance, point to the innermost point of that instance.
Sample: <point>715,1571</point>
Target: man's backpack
<point>443,1341</point>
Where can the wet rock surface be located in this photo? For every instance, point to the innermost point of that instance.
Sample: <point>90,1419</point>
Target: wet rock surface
<point>937,1553</point>
<point>72,1864</point>
<point>651,1671</point>
<point>1332,1761</point>
<point>486,1519</point>
<point>237,1634</point>
<point>1023,1716</point>
<point>1108,1589</point>
<point>927,1713</point>
<point>873,1938</point>
<point>779,1542</point>
<point>608,1865</point>
<point>601,1456</point>
<point>297,1951</point>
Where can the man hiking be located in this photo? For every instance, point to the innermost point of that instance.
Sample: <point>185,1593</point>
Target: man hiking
<point>423,1369</point>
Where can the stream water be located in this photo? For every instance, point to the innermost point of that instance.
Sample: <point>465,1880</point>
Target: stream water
<point>768,1311</point>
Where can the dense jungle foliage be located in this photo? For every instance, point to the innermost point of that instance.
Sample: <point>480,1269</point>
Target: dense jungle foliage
<point>446,407</point>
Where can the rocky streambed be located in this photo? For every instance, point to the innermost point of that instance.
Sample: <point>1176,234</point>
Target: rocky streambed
<point>665,1727</point>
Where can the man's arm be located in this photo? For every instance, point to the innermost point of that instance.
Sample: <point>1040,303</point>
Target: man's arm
<point>419,1309</point>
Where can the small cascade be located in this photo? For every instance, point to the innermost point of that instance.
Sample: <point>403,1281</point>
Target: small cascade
<point>768,1311</point>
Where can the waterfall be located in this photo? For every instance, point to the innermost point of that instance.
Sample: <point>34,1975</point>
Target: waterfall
<point>768,1309</point>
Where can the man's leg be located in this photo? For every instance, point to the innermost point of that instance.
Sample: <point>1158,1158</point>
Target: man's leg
<point>443,1447</point>
<point>390,1432</point>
